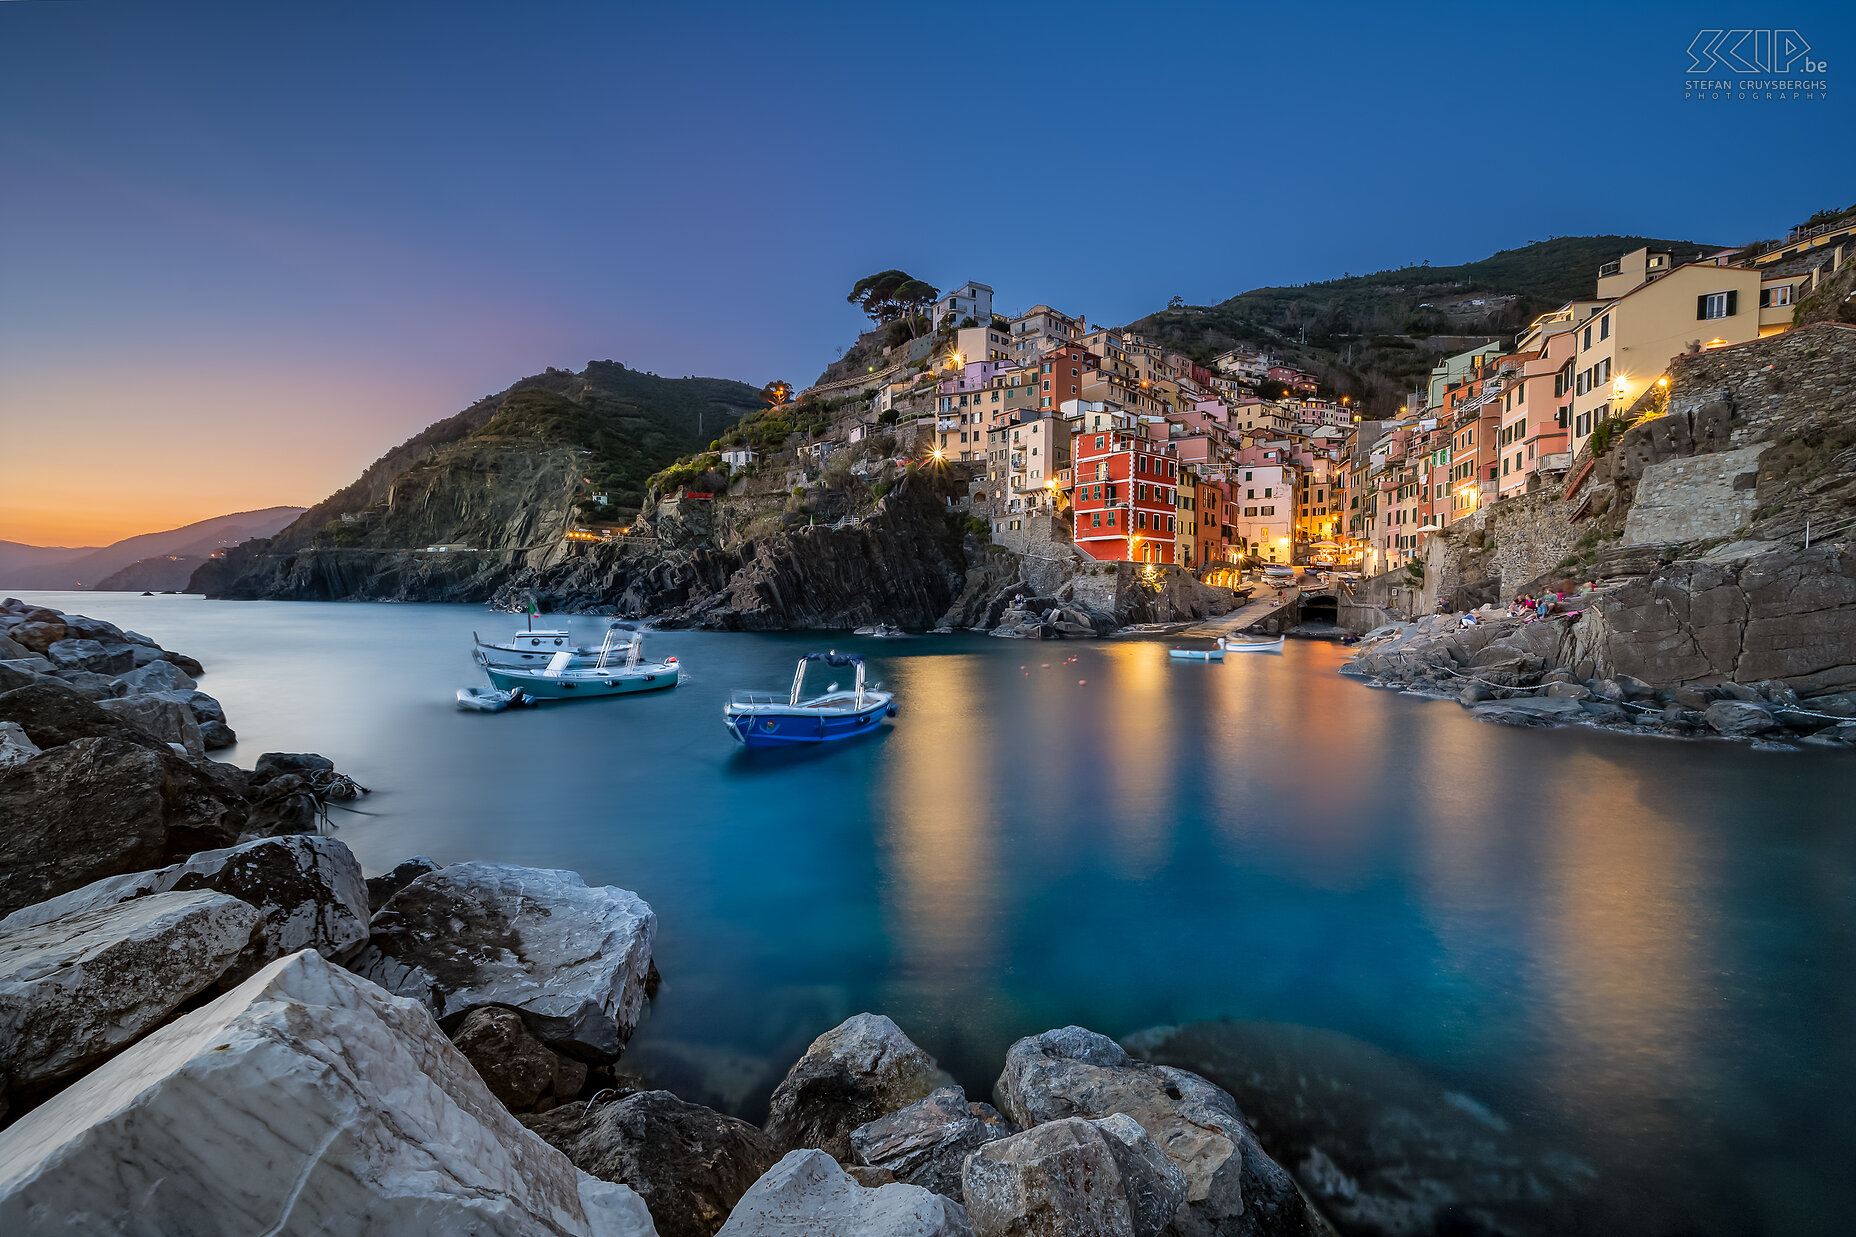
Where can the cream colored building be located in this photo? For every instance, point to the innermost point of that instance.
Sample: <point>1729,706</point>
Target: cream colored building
<point>1627,344</point>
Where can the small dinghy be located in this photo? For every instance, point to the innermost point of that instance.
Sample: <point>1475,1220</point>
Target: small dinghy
<point>490,700</point>
<point>618,669</point>
<point>882,631</point>
<point>767,719</point>
<point>1196,654</point>
<point>1251,646</point>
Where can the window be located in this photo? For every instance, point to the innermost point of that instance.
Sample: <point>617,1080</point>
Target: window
<point>1095,520</point>
<point>1269,510</point>
<point>1772,298</point>
<point>1716,305</point>
<point>1604,327</point>
<point>1588,339</point>
<point>1101,441</point>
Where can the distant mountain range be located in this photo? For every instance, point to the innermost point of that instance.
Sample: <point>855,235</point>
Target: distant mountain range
<point>1375,336</point>
<point>65,567</point>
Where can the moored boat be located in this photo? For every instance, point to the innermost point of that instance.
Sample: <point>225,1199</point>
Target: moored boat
<point>617,669</point>
<point>491,700</point>
<point>767,719</point>
<point>1251,646</point>
<point>534,648</point>
<point>1216,654</point>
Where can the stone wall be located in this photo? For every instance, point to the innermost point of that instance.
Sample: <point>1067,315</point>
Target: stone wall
<point>1695,498</point>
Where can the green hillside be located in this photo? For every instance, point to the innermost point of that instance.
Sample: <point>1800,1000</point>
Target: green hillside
<point>1373,337</point>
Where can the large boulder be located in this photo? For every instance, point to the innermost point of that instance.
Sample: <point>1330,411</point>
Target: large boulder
<point>806,1194</point>
<point>305,1101</point>
<point>573,960</point>
<point>1383,1147</point>
<point>91,808</point>
<point>108,659</point>
<point>854,1073</point>
<point>39,633</point>
<point>52,714</point>
<point>1233,1185</point>
<point>156,676</point>
<point>1074,1178</point>
<point>690,1164</point>
<point>75,989</point>
<point>161,716</point>
<point>308,889</point>
<point>926,1143</point>
<point>520,1070</point>
<point>1740,719</point>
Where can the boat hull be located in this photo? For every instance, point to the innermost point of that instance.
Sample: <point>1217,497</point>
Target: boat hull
<point>1263,646</point>
<point>764,728</point>
<point>578,686</point>
<point>1196,654</point>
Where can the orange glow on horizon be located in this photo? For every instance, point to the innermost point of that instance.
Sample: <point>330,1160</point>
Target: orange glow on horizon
<point>139,448</point>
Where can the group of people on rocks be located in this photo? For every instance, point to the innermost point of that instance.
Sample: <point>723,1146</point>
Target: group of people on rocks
<point>1527,606</point>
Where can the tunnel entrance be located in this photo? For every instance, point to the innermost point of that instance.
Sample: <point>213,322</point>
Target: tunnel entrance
<point>1323,609</point>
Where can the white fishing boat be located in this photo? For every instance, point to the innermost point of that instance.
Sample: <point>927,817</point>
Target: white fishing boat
<point>491,700</point>
<point>617,669</point>
<point>1216,654</point>
<point>535,648</point>
<point>1251,646</point>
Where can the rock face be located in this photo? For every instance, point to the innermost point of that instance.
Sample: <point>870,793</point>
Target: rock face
<point>1074,1178</point>
<point>807,1195</point>
<point>78,988</point>
<point>903,564</point>
<point>854,1073</point>
<point>308,889</point>
<point>1383,1148</point>
<point>573,960</point>
<point>925,1143</point>
<point>1233,1186</point>
<point>690,1164</point>
<point>95,807</point>
<point>304,1101</point>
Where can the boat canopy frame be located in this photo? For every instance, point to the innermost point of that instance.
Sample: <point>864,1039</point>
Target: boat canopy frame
<point>831,658</point>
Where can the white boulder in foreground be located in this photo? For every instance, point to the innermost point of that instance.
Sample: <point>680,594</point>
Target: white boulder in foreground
<point>76,989</point>
<point>304,1101</point>
<point>309,889</point>
<point>807,1195</point>
<point>572,960</point>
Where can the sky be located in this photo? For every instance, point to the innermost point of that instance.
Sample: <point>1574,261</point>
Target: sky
<point>246,249</point>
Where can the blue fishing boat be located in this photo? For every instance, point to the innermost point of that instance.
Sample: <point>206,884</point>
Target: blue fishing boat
<point>767,719</point>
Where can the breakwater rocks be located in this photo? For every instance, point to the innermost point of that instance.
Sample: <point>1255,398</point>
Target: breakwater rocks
<point>1751,641</point>
<point>228,1045</point>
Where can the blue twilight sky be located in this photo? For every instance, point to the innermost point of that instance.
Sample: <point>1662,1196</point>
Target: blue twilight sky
<point>249,247</point>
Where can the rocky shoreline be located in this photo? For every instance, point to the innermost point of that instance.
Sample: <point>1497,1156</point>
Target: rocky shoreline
<point>211,1021</point>
<point>1747,644</point>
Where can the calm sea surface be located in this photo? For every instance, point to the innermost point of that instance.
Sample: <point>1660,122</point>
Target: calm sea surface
<point>1644,946</point>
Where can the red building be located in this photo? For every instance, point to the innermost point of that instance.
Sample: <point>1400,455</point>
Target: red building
<point>1062,375</point>
<point>1123,498</point>
<point>1292,378</point>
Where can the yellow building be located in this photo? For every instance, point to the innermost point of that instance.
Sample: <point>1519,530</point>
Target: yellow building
<point>1627,344</point>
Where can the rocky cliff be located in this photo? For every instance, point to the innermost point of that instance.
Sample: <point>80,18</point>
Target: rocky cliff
<point>451,513</point>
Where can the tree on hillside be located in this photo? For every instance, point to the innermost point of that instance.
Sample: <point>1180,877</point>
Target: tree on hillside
<point>776,392</point>
<point>889,295</point>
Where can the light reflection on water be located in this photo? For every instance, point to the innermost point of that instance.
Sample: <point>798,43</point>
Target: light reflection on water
<point>1644,945</point>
